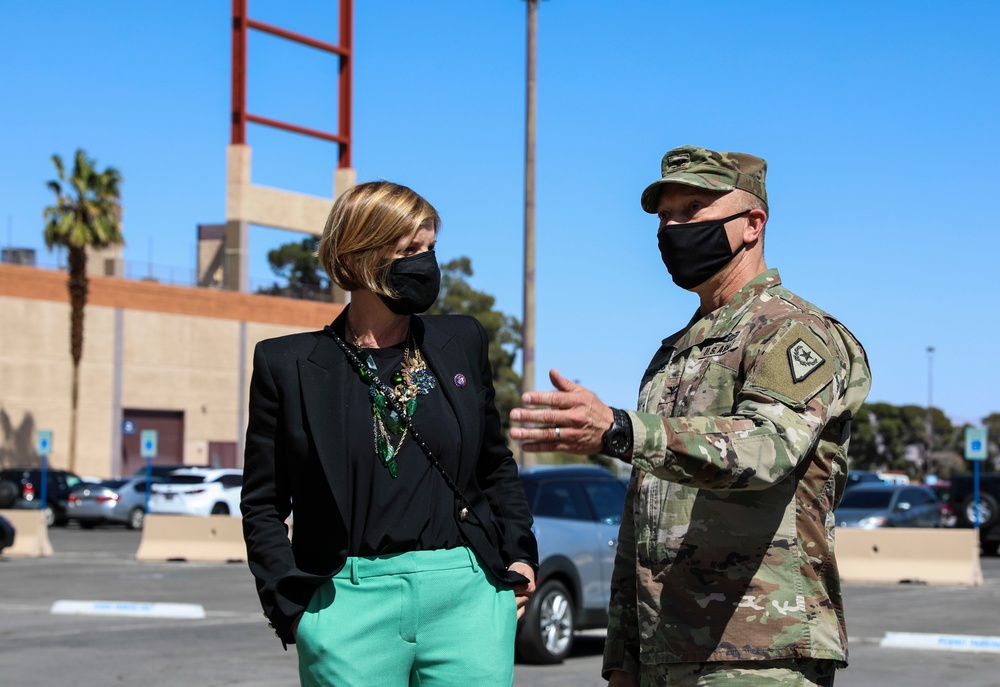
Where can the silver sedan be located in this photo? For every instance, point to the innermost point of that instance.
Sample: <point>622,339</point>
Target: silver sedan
<point>117,501</point>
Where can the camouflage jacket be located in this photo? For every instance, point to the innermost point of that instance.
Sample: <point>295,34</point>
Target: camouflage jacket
<point>740,444</point>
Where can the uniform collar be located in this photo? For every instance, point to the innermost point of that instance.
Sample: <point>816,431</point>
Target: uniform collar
<point>720,323</point>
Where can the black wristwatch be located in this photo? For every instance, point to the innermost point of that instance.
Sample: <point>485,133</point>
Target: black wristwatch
<point>617,440</point>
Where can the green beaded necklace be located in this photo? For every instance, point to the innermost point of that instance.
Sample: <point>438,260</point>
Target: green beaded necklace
<point>413,379</point>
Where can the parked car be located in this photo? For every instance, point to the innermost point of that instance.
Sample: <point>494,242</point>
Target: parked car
<point>28,483</point>
<point>7,533</point>
<point>577,511</point>
<point>198,491</point>
<point>963,502</point>
<point>115,501</point>
<point>942,490</point>
<point>888,505</point>
<point>164,469</point>
<point>859,477</point>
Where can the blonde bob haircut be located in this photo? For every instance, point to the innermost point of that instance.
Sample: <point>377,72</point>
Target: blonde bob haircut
<point>365,225</point>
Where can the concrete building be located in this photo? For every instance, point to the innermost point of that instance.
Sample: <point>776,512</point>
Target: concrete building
<point>174,359</point>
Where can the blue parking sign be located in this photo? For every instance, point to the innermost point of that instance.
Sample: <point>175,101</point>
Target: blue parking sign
<point>147,443</point>
<point>43,441</point>
<point>975,443</point>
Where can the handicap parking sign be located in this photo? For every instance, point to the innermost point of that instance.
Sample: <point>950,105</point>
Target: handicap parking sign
<point>44,442</point>
<point>147,443</point>
<point>975,444</point>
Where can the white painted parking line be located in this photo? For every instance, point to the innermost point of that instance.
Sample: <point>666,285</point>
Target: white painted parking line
<point>922,640</point>
<point>128,608</point>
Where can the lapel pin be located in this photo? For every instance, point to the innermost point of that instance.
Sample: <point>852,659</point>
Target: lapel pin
<point>459,380</point>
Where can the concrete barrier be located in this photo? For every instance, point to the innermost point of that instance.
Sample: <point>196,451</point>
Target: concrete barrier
<point>921,555</point>
<point>32,537</point>
<point>211,539</point>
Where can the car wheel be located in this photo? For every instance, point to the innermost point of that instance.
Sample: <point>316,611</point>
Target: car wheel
<point>8,494</point>
<point>988,510</point>
<point>136,516</point>
<point>991,548</point>
<point>220,509</point>
<point>59,517</point>
<point>546,635</point>
<point>50,515</point>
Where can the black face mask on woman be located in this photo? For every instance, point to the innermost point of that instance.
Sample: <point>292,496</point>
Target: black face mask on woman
<point>415,280</point>
<point>695,251</point>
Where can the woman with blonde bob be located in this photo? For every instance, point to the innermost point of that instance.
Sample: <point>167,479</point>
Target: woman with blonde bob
<point>412,554</point>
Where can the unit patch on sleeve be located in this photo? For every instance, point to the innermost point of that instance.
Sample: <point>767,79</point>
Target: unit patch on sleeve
<point>803,360</point>
<point>795,367</point>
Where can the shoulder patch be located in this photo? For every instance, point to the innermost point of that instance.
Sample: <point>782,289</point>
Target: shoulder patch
<point>795,367</point>
<point>803,360</point>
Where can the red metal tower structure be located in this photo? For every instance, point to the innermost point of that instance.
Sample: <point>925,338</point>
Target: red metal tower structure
<point>241,26</point>
<point>224,250</point>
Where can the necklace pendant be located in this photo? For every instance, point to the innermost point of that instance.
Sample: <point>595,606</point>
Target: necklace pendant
<point>393,422</point>
<point>387,456</point>
<point>423,381</point>
<point>383,449</point>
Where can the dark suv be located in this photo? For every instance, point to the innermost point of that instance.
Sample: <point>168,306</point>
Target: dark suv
<point>963,503</point>
<point>28,487</point>
<point>577,511</point>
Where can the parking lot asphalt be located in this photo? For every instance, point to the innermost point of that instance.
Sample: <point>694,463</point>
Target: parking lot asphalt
<point>232,645</point>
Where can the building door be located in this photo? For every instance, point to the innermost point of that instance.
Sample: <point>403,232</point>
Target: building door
<point>222,454</point>
<point>169,426</point>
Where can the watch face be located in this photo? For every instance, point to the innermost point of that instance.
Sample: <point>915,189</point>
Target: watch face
<point>617,440</point>
<point>614,441</point>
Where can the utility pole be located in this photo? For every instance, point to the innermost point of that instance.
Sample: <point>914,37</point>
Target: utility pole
<point>930,408</point>
<point>528,318</point>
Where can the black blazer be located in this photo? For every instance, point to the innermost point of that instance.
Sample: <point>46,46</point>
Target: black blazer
<point>293,454</point>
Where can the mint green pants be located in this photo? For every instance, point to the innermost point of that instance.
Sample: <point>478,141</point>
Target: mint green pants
<point>417,619</point>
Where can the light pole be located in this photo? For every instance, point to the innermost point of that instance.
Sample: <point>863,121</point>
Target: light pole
<point>528,318</point>
<point>930,408</point>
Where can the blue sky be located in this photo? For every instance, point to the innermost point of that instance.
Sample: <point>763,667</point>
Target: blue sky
<point>877,121</point>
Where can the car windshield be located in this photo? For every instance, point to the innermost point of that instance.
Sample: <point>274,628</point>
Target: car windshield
<point>862,498</point>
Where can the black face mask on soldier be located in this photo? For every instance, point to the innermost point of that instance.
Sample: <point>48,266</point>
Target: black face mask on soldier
<point>415,280</point>
<point>695,251</point>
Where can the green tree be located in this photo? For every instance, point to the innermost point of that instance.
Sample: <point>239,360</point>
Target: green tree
<point>992,424</point>
<point>86,216</point>
<point>879,437</point>
<point>457,297</point>
<point>882,436</point>
<point>298,265</point>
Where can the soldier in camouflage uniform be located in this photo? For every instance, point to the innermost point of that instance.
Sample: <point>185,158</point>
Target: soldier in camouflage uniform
<point>725,572</point>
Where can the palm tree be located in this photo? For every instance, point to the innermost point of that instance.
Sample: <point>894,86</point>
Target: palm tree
<point>87,215</point>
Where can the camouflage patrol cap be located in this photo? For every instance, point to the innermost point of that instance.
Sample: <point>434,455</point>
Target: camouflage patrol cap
<point>707,169</point>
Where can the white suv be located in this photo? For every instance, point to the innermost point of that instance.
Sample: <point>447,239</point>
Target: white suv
<point>198,491</point>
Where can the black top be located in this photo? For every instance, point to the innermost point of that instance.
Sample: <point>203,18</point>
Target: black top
<point>414,511</point>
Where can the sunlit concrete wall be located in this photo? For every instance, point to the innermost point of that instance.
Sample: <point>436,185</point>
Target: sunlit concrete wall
<point>146,346</point>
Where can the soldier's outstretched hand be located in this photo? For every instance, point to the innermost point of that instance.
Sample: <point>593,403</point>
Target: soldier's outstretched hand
<point>572,419</point>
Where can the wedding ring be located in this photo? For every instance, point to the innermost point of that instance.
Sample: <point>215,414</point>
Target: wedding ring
<point>557,434</point>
